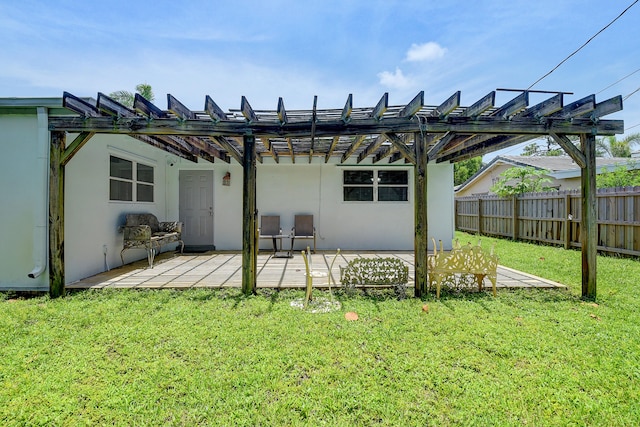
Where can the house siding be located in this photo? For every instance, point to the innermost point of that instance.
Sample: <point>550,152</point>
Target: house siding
<point>23,187</point>
<point>92,221</point>
<point>484,182</point>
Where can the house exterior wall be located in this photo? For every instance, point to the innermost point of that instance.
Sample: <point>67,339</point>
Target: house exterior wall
<point>92,221</point>
<point>483,183</point>
<point>24,167</point>
<point>300,188</point>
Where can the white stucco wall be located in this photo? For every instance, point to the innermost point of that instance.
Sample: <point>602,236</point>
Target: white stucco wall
<point>287,189</point>
<point>23,211</point>
<point>300,188</point>
<point>92,221</point>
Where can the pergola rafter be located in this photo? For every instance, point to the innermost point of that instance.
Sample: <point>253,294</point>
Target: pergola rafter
<point>414,132</point>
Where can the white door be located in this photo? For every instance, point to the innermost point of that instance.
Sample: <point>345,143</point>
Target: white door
<point>196,208</point>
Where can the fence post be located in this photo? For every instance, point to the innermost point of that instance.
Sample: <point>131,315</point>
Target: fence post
<point>567,221</point>
<point>514,217</point>
<point>455,214</point>
<point>479,215</point>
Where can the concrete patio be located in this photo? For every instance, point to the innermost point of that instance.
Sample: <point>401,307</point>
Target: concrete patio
<point>224,269</point>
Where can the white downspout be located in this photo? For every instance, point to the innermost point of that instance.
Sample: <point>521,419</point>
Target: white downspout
<point>40,238</point>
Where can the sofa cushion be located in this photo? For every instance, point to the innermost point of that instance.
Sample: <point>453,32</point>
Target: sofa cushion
<point>143,219</point>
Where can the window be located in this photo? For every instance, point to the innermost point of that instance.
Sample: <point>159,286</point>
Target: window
<point>375,186</point>
<point>130,180</point>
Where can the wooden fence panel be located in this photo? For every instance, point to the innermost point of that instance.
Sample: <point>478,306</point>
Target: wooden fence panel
<point>554,218</point>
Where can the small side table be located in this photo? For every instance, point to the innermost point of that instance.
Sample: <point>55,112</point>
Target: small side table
<point>281,253</point>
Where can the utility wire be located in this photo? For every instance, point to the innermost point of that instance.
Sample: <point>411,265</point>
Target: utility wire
<point>586,43</point>
<point>613,84</point>
<point>627,97</point>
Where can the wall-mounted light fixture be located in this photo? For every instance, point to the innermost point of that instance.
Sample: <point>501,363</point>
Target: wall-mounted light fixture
<point>226,179</point>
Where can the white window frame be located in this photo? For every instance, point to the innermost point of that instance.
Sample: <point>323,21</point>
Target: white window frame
<point>134,181</point>
<point>375,185</point>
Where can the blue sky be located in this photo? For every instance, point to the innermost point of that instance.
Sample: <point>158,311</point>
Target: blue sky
<point>298,49</point>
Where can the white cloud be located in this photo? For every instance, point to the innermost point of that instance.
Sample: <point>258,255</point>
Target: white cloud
<point>425,52</point>
<point>395,80</point>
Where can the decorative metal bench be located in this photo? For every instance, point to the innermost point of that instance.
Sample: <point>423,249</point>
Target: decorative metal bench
<point>454,268</point>
<point>375,272</point>
<point>143,231</point>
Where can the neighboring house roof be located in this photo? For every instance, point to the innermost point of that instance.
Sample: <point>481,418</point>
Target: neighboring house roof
<point>560,167</point>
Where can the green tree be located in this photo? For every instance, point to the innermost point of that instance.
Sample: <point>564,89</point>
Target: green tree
<point>465,169</point>
<point>126,98</point>
<point>621,176</point>
<point>548,148</point>
<point>514,181</point>
<point>611,146</point>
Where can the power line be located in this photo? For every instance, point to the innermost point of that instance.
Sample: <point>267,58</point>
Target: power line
<point>627,97</point>
<point>634,126</point>
<point>613,84</point>
<point>586,43</point>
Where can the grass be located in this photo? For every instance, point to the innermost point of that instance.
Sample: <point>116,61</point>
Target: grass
<point>203,357</point>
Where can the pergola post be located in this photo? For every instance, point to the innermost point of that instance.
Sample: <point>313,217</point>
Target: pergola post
<point>589,226</point>
<point>249,231</point>
<point>420,207</point>
<point>56,214</point>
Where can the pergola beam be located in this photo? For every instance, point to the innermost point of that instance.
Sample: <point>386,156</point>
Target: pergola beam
<point>228,147</point>
<point>179,109</point>
<point>482,105</point>
<point>396,155</point>
<point>112,107</point>
<point>79,105</point>
<point>413,106</point>
<point>354,146</point>
<point>380,108</point>
<point>489,144</point>
<point>291,152</point>
<point>348,108</point>
<point>402,147</point>
<point>332,147</point>
<point>313,128</point>
<point>247,111</point>
<point>268,145</point>
<point>371,148</point>
<point>146,107</point>
<point>167,144</point>
<point>213,110</point>
<point>512,107</point>
<point>435,149</point>
<point>324,128</point>
<point>610,106</point>
<point>577,108</point>
<point>385,152</point>
<point>282,113</point>
<point>570,149</point>
<point>75,146</point>
<point>447,106</point>
<point>545,108</point>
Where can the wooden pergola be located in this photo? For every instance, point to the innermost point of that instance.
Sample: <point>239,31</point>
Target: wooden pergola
<point>414,133</point>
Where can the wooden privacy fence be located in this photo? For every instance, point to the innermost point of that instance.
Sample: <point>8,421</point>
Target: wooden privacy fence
<point>554,218</point>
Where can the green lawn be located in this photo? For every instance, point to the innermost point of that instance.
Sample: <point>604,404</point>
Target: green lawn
<point>201,357</point>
